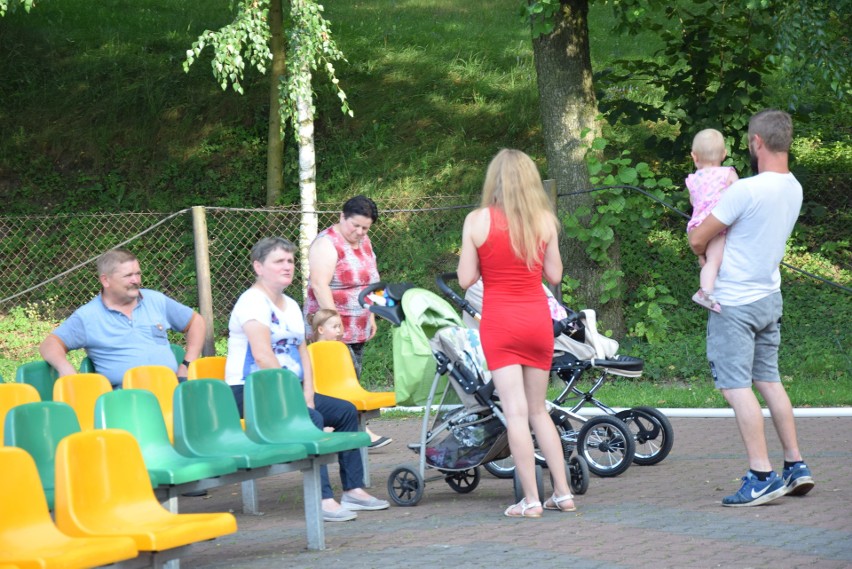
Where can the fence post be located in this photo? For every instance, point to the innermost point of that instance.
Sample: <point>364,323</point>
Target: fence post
<point>550,189</point>
<point>202,275</point>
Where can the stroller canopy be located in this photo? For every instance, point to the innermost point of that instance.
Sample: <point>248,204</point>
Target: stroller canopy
<point>413,362</point>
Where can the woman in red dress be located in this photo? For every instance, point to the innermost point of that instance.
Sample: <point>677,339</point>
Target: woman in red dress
<point>511,241</point>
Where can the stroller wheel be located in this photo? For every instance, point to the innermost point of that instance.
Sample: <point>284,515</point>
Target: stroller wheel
<point>463,481</point>
<point>652,431</point>
<point>501,468</point>
<point>539,482</point>
<point>505,467</point>
<point>577,470</point>
<point>607,445</point>
<point>405,486</point>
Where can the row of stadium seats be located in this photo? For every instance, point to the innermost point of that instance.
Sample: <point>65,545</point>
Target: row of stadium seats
<point>211,447</point>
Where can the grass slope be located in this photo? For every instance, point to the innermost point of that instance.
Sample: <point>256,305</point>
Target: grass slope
<point>96,114</point>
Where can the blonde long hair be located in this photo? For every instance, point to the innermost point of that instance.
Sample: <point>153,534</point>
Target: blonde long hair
<point>513,184</point>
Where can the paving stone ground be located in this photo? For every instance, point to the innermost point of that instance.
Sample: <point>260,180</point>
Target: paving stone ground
<point>667,515</point>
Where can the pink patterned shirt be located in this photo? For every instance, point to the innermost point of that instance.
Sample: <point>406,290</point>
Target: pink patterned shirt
<point>355,269</point>
<point>705,188</point>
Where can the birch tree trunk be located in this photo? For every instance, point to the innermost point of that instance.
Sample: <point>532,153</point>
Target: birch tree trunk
<point>307,178</point>
<point>568,107</point>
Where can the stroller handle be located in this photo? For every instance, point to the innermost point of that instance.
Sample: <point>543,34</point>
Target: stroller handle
<point>369,289</point>
<point>441,281</point>
<point>386,302</point>
<point>559,327</point>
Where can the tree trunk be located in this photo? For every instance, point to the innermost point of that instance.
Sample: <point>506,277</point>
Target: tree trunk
<point>307,178</point>
<point>275,139</point>
<point>568,106</point>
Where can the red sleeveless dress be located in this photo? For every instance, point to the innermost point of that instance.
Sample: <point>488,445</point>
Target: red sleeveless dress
<point>516,326</point>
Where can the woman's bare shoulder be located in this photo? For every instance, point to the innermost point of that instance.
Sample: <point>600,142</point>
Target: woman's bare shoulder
<point>478,216</point>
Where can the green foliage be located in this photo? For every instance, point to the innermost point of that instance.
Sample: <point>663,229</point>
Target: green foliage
<point>12,5</point>
<point>710,74</point>
<point>439,86</point>
<point>21,331</point>
<point>247,39</point>
<point>623,203</point>
<point>721,62</point>
<point>812,47</point>
<point>540,15</point>
<point>310,46</point>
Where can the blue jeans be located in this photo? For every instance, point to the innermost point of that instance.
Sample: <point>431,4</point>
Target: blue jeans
<point>340,414</point>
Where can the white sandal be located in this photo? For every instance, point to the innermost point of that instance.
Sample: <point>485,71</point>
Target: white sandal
<point>553,503</point>
<point>510,512</point>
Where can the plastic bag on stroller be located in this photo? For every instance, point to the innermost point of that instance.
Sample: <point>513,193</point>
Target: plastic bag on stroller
<point>474,431</point>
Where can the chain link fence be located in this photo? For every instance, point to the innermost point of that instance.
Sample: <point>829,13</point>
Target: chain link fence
<point>49,261</point>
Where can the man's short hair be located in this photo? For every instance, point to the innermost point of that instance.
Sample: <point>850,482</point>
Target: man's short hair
<point>108,262</point>
<point>774,127</point>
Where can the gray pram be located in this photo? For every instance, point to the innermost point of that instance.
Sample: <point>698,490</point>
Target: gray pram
<point>610,442</point>
<point>463,427</point>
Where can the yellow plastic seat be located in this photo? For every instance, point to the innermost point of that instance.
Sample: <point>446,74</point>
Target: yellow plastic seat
<point>103,489</point>
<point>334,375</point>
<point>159,380</point>
<point>28,536</point>
<point>81,391</point>
<point>208,367</point>
<point>12,395</point>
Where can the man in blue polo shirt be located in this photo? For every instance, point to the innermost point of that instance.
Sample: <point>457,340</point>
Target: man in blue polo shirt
<point>125,325</point>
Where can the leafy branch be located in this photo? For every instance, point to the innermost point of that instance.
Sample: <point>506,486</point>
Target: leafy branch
<point>618,206</point>
<point>246,40</point>
<point>310,45</point>
<point>11,5</point>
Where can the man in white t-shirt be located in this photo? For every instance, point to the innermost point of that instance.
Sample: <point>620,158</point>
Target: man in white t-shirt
<point>743,339</point>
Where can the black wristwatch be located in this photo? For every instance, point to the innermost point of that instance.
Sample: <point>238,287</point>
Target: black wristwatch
<point>184,362</point>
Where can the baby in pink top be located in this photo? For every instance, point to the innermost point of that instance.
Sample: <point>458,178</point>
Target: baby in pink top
<point>706,186</point>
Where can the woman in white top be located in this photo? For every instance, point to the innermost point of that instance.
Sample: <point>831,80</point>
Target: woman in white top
<point>267,331</point>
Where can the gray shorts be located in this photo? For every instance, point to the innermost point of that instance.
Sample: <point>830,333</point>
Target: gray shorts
<point>742,343</point>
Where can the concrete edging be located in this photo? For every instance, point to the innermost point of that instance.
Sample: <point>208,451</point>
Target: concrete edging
<point>694,413</point>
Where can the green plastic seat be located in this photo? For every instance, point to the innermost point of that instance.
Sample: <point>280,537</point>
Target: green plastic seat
<point>276,412</point>
<point>207,424</point>
<point>40,375</point>
<point>86,366</point>
<point>138,412</point>
<point>179,352</point>
<point>37,428</point>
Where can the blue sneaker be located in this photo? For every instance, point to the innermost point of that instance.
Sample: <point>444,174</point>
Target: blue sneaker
<point>754,492</point>
<point>798,479</point>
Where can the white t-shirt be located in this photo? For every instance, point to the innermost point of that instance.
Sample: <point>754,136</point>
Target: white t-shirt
<point>286,328</point>
<point>760,212</point>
